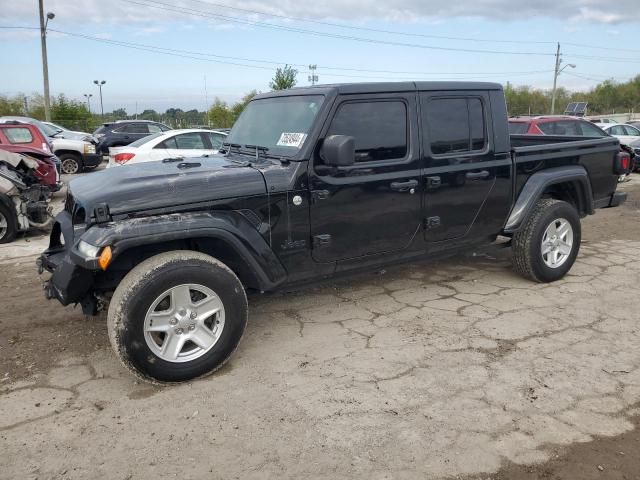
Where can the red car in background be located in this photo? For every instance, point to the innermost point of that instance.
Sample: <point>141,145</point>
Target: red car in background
<point>27,139</point>
<point>554,125</point>
<point>563,125</point>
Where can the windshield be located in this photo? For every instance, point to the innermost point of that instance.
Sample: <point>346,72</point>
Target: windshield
<point>57,127</point>
<point>143,140</point>
<point>48,130</point>
<point>280,124</point>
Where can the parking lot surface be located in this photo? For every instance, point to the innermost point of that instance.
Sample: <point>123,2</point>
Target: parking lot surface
<point>423,370</point>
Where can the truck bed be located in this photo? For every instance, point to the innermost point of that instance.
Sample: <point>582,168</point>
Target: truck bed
<point>531,153</point>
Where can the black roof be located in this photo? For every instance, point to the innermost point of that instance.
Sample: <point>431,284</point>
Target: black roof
<point>382,87</point>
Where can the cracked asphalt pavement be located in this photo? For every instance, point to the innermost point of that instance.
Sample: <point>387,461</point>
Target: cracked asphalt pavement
<point>425,370</point>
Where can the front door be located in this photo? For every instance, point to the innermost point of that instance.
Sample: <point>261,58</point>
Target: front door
<point>373,206</point>
<point>461,167</point>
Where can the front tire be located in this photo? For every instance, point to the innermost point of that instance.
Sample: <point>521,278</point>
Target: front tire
<point>177,316</point>
<point>8,224</point>
<point>546,246</point>
<point>70,163</point>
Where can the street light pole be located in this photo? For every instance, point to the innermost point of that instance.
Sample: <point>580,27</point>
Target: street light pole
<point>88,97</point>
<point>100,83</point>
<point>45,64</point>
<point>556,73</point>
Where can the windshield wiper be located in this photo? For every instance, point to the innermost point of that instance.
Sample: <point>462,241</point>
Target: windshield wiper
<point>258,149</point>
<point>229,146</point>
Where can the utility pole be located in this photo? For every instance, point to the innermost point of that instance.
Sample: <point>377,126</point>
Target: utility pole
<point>557,71</point>
<point>100,83</point>
<point>26,106</point>
<point>313,78</point>
<point>88,97</point>
<point>45,65</point>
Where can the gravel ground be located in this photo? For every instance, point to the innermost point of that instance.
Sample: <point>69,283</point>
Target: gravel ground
<point>425,370</point>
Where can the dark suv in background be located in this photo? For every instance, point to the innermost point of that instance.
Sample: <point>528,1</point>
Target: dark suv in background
<point>124,132</point>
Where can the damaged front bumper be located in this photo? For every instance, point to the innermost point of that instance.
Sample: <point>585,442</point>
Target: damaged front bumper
<point>72,278</point>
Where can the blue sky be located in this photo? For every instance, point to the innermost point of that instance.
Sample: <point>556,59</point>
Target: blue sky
<point>159,81</point>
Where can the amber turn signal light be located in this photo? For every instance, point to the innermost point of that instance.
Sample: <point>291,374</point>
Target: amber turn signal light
<point>105,258</point>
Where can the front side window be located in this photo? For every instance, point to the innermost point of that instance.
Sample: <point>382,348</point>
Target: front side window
<point>216,140</point>
<point>280,124</point>
<point>18,135</point>
<point>379,129</point>
<point>154,128</point>
<point>455,125</point>
<point>562,127</point>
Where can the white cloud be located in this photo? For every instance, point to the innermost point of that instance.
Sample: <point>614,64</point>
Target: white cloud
<point>118,11</point>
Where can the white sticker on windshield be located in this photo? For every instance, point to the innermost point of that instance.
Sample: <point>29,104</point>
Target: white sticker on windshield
<point>291,139</point>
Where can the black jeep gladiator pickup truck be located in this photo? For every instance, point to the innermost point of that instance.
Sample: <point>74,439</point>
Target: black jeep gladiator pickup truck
<point>312,182</point>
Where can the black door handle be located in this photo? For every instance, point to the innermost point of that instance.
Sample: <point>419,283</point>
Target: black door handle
<point>404,186</point>
<point>477,175</point>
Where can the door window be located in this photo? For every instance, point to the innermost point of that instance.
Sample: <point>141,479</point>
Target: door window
<point>189,141</point>
<point>379,129</point>
<point>562,127</point>
<point>633,131</point>
<point>154,128</point>
<point>216,140</point>
<point>590,130</point>
<point>617,130</point>
<point>455,125</point>
<point>18,135</point>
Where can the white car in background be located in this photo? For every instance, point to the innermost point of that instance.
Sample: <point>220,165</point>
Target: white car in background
<point>192,142</point>
<point>627,134</point>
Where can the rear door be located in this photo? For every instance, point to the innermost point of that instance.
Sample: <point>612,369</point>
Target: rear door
<point>461,167</point>
<point>373,206</point>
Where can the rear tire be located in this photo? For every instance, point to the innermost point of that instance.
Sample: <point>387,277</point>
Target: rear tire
<point>160,318</point>
<point>8,224</point>
<point>70,163</point>
<point>546,246</point>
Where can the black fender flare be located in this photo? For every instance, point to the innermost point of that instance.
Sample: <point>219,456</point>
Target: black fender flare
<point>539,182</point>
<point>230,227</point>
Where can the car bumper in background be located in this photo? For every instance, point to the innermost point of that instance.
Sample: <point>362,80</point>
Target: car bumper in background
<point>91,159</point>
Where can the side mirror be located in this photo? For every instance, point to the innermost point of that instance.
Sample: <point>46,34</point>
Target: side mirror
<point>338,151</point>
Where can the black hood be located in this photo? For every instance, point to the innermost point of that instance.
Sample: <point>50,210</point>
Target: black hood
<point>152,185</point>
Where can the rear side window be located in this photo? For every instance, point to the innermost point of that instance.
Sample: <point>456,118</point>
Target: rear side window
<point>617,130</point>
<point>631,130</point>
<point>455,125</point>
<point>133,128</point>
<point>379,129</point>
<point>518,128</point>
<point>18,135</point>
<point>590,130</point>
<point>190,141</point>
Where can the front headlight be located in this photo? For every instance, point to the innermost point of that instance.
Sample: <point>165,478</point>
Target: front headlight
<point>87,249</point>
<point>89,148</point>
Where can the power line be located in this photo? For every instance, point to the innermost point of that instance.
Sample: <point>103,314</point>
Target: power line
<point>196,55</point>
<point>369,29</point>
<point>200,13</point>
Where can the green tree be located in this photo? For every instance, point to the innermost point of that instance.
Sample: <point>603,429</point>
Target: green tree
<point>284,78</point>
<point>12,105</point>
<point>220,115</point>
